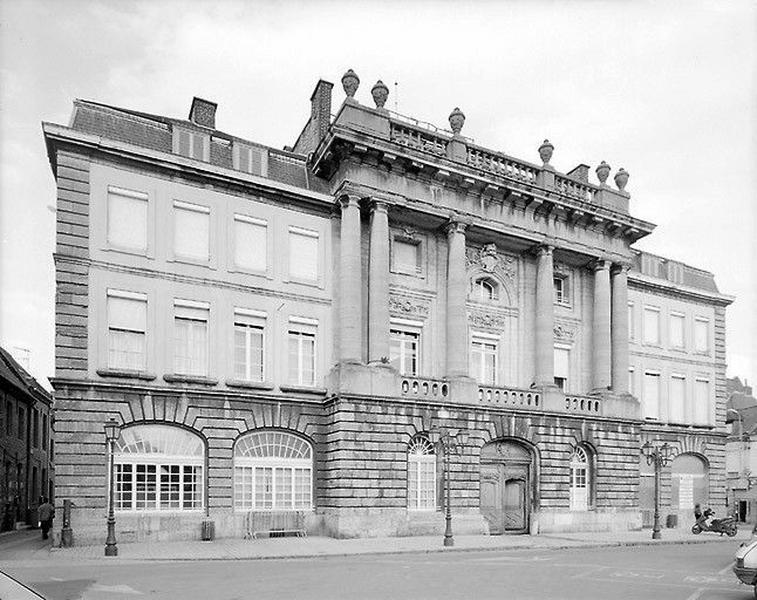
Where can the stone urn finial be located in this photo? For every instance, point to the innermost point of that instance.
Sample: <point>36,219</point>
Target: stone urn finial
<point>380,93</point>
<point>621,179</point>
<point>350,83</point>
<point>603,172</point>
<point>456,120</point>
<point>545,151</point>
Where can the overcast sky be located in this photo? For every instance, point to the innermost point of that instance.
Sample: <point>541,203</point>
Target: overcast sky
<point>664,89</point>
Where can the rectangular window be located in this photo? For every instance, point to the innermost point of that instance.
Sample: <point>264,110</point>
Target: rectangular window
<point>651,325</point>
<point>45,432</point>
<point>250,243</point>
<point>191,338</point>
<point>146,487</point>
<point>484,360</point>
<point>272,488</point>
<point>631,322</point>
<point>191,231</point>
<point>9,421</point>
<point>127,219</point>
<point>406,256</point>
<point>631,381</point>
<point>560,284</point>
<point>249,329</point>
<point>701,402</point>
<point>562,367</point>
<point>701,335</point>
<point>302,336</point>
<point>127,327</point>
<point>677,322</point>
<point>651,397</point>
<point>251,160</point>
<point>21,422</point>
<point>303,254</point>
<point>190,144</point>
<point>404,350</point>
<point>677,401</point>
<point>35,428</point>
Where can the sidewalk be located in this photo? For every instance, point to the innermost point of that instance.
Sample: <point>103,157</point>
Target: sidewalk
<point>30,549</point>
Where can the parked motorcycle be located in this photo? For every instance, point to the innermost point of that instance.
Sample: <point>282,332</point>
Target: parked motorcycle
<point>725,525</point>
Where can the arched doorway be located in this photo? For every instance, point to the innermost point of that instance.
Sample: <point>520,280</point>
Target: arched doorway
<point>689,484</point>
<point>507,478</point>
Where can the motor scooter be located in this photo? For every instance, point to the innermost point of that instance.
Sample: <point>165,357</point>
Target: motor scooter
<point>745,567</point>
<point>725,525</point>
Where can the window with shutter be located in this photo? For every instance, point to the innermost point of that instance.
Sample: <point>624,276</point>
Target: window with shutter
<point>250,243</point>
<point>127,325</point>
<point>190,338</point>
<point>677,322</point>
<point>677,399</point>
<point>702,402</point>
<point>191,231</point>
<point>562,367</point>
<point>651,397</point>
<point>651,325</point>
<point>191,144</point>
<point>127,219</point>
<point>302,351</point>
<point>249,345</point>
<point>251,159</point>
<point>701,335</point>
<point>303,254</point>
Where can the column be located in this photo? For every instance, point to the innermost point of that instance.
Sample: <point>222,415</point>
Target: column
<point>545,317</point>
<point>601,325</point>
<point>350,269</point>
<point>457,325</point>
<point>620,329</point>
<point>378,284</point>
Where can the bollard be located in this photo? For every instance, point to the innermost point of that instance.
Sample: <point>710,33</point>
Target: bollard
<point>66,534</point>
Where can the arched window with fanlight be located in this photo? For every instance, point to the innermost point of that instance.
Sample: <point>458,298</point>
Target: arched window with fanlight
<point>421,475</point>
<point>273,470</point>
<point>580,479</point>
<point>484,289</point>
<point>158,468</point>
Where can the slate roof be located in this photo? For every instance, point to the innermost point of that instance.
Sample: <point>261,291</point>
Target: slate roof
<point>13,375</point>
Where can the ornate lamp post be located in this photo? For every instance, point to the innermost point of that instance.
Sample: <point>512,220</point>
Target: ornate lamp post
<point>659,456</point>
<point>449,442</point>
<point>112,433</point>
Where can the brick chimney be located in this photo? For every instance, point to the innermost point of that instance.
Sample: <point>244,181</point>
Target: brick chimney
<point>580,173</point>
<point>320,108</point>
<point>203,112</point>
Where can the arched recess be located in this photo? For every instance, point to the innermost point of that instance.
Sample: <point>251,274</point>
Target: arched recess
<point>159,467</point>
<point>689,482</point>
<point>273,470</point>
<point>501,292</point>
<point>509,484</point>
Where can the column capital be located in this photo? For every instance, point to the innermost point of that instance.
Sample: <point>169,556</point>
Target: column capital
<point>600,265</point>
<point>349,201</point>
<point>544,249</point>
<point>455,226</point>
<point>620,267</point>
<point>378,205</point>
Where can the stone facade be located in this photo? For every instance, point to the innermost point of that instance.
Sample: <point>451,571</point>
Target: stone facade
<point>428,247</point>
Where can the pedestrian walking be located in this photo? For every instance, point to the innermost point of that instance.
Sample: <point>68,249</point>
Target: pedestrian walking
<point>46,512</point>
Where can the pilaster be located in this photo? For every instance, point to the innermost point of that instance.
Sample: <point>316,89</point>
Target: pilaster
<point>350,304</point>
<point>457,326</point>
<point>619,328</point>
<point>545,317</point>
<point>378,284</point>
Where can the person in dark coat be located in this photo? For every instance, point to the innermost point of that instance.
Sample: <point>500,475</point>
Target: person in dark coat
<point>46,512</point>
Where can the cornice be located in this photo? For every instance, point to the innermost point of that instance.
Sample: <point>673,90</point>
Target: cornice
<point>668,288</point>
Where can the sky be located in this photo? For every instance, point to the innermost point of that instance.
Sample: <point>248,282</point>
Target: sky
<point>666,90</point>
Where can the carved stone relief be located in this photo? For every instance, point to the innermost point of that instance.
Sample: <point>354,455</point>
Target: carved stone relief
<point>490,260</point>
<point>565,331</point>
<point>487,320</point>
<point>408,306</point>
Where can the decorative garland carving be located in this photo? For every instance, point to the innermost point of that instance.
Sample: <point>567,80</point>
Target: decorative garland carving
<point>487,320</point>
<point>490,260</point>
<point>563,331</point>
<point>408,306</point>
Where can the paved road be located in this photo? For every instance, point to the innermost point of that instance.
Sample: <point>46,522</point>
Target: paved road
<point>687,572</point>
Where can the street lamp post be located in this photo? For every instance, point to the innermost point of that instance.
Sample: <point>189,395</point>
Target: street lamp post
<point>659,457</point>
<point>450,442</point>
<point>112,433</point>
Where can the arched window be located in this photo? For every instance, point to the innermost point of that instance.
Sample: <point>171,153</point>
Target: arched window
<point>273,470</point>
<point>484,290</point>
<point>158,467</point>
<point>421,475</point>
<point>580,479</point>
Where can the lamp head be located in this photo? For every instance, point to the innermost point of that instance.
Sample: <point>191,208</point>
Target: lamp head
<point>112,430</point>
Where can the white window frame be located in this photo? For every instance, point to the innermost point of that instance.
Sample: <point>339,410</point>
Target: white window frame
<point>256,222</point>
<point>302,328</point>
<point>698,322</point>
<point>246,468</point>
<point>409,330</point>
<point>681,417</point>
<point>250,320</point>
<point>198,306</point>
<point>651,310</point>
<point>479,289</point>
<point>143,197</point>
<point>307,233</point>
<point>421,475</point>
<point>196,208</point>
<point>561,297</point>
<point>644,400</point>
<point>580,480</point>
<point>479,342</point>
<point>677,317</point>
<point>136,297</point>
<point>567,348</point>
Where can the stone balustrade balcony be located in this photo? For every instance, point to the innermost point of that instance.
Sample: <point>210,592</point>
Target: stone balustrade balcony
<point>424,388</point>
<point>510,397</point>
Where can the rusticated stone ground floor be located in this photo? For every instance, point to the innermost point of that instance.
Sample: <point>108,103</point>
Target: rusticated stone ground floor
<point>358,467</point>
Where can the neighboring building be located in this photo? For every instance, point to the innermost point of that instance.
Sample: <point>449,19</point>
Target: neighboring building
<point>741,449</point>
<point>26,470</point>
<point>290,330</point>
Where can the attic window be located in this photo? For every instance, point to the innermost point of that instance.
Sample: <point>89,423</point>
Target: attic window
<point>250,159</point>
<point>191,144</point>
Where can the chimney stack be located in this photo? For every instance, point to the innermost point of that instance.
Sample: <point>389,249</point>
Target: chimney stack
<point>320,108</point>
<point>203,112</point>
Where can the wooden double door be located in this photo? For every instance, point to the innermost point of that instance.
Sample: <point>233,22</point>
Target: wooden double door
<point>505,493</point>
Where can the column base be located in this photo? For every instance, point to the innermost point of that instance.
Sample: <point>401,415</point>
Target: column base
<point>355,378</point>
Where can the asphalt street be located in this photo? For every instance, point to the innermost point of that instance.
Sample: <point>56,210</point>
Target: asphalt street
<point>672,572</point>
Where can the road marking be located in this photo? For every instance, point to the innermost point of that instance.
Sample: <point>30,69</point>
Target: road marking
<point>697,594</point>
<point>708,579</point>
<point>725,570</point>
<point>116,589</point>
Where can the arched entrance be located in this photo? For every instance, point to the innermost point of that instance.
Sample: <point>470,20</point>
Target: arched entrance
<point>507,478</point>
<point>689,483</point>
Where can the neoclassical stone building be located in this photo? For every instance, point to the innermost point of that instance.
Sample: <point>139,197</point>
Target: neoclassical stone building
<point>286,333</point>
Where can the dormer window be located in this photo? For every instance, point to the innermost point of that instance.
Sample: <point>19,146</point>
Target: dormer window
<point>484,290</point>
<point>250,159</point>
<point>191,144</point>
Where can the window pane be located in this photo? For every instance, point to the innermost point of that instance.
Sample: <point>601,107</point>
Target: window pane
<point>702,403</point>
<point>651,399</point>
<point>701,335</point>
<point>146,487</point>
<point>127,220</point>
<point>190,344</point>
<point>676,331</point>
<point>124,487</point>
<point>192,487</point>
<point>562,363</point>
<point>243,488</point>
<point>677,399</point>
<point>250,247</point>
<point>263,487</point>
<point>405,256</point>
<point>283,477</point>
<point>191,234</point>
<point>651,326</point>
<point>303,256</point>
